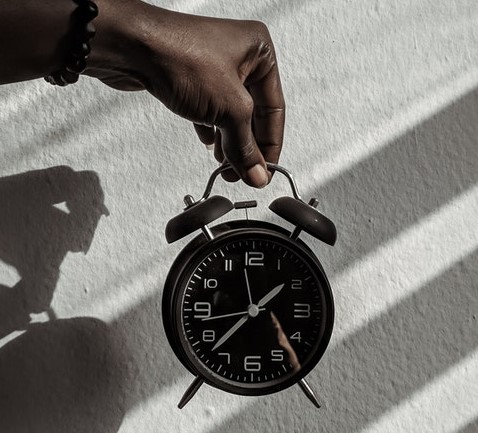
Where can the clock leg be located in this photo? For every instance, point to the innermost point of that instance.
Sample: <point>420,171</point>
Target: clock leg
<point>305,387</point>
<point>189,394</point>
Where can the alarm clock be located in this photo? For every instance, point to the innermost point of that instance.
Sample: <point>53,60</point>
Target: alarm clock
<point>247,307</point>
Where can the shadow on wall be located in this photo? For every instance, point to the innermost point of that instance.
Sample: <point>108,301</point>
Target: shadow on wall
<point>382,364</point>
<point>57,376</point>
<point>35,236</point>
<point>472,427</point>
<point>390,358</point>
<point>80,375</point>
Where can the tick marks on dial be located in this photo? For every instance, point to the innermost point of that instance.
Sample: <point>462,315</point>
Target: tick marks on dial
<point>242,288</point>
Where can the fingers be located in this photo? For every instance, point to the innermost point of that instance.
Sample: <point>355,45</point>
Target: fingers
<point>269,108</point>
<point>205,133</point>
<point>229,175</point>
<point>239,145</point>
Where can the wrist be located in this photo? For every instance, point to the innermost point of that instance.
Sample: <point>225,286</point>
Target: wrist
<point>117,45</point>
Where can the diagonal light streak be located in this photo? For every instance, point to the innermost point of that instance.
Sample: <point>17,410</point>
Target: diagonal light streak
<point>387,131</point>
<point>428,410</point>
<point>406,263</point>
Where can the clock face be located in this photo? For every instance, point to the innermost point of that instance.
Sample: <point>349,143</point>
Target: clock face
<point>254,312</point>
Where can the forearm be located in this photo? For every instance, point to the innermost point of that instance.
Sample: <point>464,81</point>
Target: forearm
<point>32,35</point>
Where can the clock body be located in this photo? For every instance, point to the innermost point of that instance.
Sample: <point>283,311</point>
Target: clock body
<point>250,311</point>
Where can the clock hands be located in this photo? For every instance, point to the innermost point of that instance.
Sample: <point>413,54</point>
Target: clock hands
<point>274,292</point>
<point>231,331</point>
<point>228,315</point>
<point>248,287</point>
<point>252,311</point>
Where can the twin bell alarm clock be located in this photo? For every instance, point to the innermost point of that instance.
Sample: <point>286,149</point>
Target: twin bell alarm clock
<point>247,307</point>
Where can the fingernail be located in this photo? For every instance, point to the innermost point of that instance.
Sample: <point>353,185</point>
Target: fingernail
<point>210,146</point>
<point>257,176</point>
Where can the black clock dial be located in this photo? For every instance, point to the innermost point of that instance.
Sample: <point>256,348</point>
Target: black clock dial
<point>253,312</point>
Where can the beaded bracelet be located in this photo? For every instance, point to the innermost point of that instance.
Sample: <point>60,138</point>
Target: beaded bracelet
<point>79,43</point>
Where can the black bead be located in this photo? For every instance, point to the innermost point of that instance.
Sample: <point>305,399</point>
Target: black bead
<point>50,80</point>
<point>85,12</point>
<point>77,66</point>
<point>81,50</point>
<point>90,31</point>
<point>80,34</point>
<point>70,77</point>
<point>58,78</point>
<point>83,34</point>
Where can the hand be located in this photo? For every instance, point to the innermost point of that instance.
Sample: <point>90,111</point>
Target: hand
<point>220,74</point>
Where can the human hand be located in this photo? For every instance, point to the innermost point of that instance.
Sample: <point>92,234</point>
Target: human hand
<point>220,74</point>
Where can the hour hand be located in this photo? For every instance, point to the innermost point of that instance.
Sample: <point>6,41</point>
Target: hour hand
<point>274,292</point>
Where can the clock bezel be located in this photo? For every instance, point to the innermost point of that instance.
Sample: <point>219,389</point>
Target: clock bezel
<point>183,267</point>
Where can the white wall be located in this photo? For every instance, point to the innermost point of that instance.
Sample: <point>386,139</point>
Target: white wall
<point>382,126</point>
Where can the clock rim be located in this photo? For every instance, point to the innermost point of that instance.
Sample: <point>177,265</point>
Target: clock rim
<point>181,270</point>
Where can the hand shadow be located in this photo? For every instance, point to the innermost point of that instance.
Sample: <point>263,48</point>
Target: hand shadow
<point>35,236</point>
<point>63,375</point>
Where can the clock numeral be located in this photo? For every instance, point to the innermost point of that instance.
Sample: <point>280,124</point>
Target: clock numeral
<point>228,264</point>
<point>296,336</point>
<point>254,258</point>
<point>278,264</point>
<point>252,363</point>
<point>296,284</point>
<point>301,311</point>
<point>277,355</point>
<point>227,355</point>
<point>210,283</point>
<point>208,335</point>
<point>202,310</point>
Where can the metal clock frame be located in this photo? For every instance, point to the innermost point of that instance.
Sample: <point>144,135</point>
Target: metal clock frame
<point>192,255</point>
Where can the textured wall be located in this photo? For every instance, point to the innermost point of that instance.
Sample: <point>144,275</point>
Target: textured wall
<point>382,126</point>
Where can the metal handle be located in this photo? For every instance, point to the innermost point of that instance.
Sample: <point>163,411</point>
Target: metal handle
<point>270,166</point>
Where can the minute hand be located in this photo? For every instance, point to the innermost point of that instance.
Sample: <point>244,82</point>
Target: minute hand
<point>274,292</point>
<point>246,316</point>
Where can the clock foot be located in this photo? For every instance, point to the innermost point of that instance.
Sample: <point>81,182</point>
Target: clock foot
<point>190,392</point>
<point>305,387</point>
